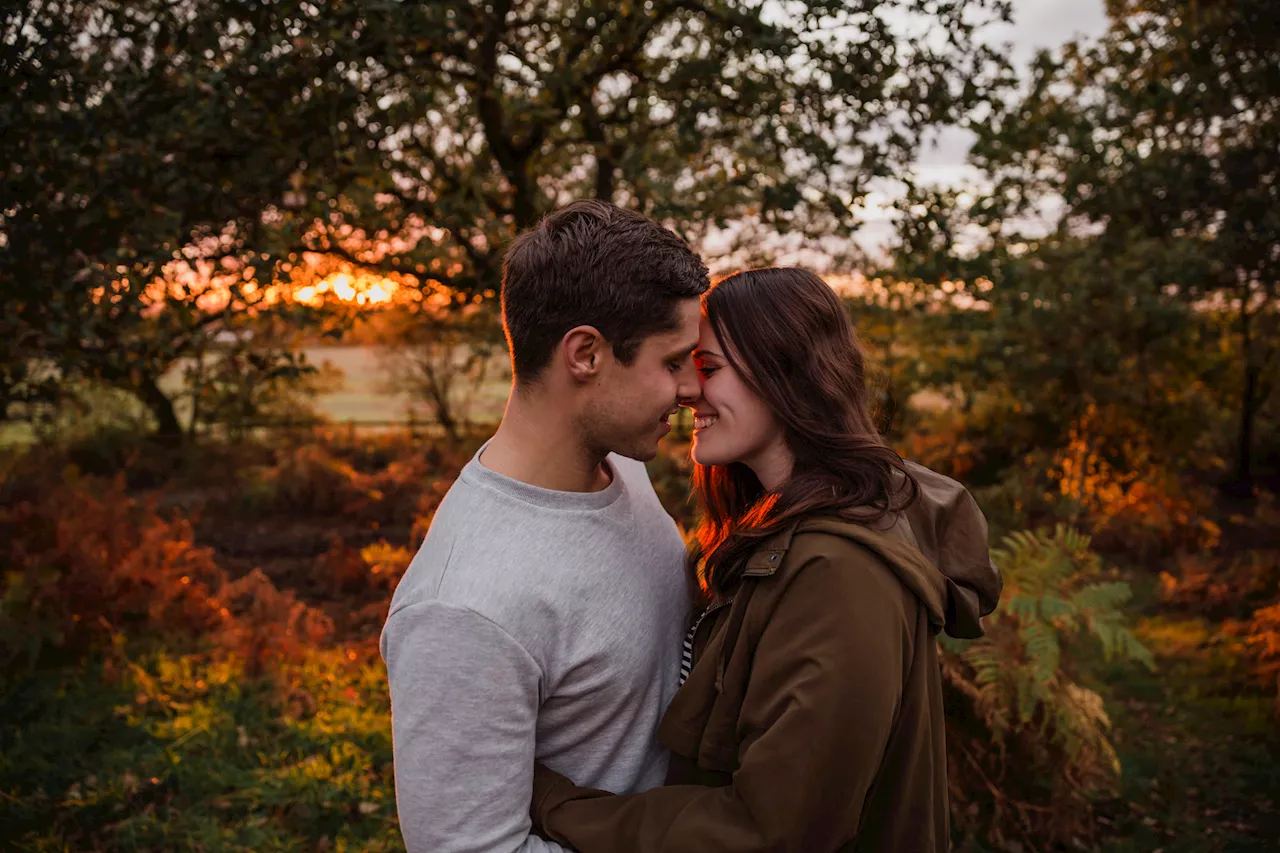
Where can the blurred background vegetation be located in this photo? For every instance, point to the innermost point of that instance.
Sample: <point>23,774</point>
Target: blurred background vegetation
<point>248,259</point>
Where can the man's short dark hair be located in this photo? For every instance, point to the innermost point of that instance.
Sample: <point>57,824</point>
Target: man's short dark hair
<point>593,263</point>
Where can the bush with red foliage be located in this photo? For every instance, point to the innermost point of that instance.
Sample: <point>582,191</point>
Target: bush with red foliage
<point>383,484</point>
<point>87,560</point>
<point>264,624</point>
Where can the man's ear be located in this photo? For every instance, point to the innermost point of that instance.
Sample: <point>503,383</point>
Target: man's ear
<point>584,350</point>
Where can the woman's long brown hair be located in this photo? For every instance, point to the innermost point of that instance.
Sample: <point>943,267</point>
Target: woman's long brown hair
<point>787,334</point>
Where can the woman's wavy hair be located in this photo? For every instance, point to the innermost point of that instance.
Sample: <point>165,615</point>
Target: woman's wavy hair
<point>787,334</point>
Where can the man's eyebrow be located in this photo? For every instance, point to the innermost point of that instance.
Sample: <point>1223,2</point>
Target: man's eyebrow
<point>682,350</point>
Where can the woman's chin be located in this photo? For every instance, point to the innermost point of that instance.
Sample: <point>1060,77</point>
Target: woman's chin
<point>704,455</point>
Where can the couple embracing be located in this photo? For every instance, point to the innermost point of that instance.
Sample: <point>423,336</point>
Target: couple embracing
<point>566,675</point>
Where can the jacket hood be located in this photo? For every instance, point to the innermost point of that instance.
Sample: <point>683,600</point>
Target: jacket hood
<point>937,547</point>
<point>947,527</point>
<point>893,546</point>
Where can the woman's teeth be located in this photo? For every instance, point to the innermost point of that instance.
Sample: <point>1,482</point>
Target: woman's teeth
<point>703,423</point>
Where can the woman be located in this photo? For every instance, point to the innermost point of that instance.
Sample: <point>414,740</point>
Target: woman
<point>811,715</point>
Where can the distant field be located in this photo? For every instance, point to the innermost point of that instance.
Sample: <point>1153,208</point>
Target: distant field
<point>363,396</point>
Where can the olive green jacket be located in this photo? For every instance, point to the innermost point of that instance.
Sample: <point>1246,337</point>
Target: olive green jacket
<point>812,718</point>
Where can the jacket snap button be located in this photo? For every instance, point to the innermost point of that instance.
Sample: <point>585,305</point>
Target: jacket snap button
<point>773,559</point>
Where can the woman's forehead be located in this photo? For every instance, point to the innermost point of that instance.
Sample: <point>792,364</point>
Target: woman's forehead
<point>708,341</point>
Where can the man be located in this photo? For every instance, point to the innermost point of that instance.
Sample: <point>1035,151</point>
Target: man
<point>542,618</point>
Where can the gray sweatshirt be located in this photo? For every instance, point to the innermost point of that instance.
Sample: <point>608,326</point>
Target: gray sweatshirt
<point>532,625</point>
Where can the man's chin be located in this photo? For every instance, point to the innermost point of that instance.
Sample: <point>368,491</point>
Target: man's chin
<point>640,451</point>
<point>641,455</point>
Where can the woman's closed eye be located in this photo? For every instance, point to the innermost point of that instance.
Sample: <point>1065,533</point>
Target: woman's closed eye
<point>707,370</point>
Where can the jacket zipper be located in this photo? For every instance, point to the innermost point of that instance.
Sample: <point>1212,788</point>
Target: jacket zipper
<point>693,633</point>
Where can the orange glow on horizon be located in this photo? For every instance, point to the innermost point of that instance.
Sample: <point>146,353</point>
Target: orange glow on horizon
<point>358,288</point>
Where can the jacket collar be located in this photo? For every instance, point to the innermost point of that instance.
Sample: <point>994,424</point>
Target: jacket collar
<point>766,559</point>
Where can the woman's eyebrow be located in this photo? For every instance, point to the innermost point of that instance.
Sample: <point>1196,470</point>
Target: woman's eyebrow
<point>707,353</point>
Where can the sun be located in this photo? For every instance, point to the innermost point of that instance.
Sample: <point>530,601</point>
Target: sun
<point>362,289</point>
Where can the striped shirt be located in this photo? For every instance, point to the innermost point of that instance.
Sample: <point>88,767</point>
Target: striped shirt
<point>686,655</point>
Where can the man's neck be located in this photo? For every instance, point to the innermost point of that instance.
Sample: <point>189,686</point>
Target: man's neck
<point>536,444</point>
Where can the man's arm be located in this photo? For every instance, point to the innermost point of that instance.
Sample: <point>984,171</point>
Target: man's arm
<point>464,705</point>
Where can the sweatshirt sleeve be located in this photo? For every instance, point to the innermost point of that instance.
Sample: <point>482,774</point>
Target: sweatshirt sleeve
<point>825,689</point>
<point>464,704</point>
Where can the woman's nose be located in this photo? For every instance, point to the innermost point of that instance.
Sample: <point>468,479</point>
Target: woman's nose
<point>691,398</point>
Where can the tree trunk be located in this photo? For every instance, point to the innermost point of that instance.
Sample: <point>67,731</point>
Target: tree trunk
<point>523,210</point>
<point>444,413</point>
<point>604,177</point>
<point>1242,485</point>
<point>168,430</point>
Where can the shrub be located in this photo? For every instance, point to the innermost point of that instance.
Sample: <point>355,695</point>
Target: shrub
<point>442,359</point>
<point>393,483</point>
<point>87,559</point>
<point>1220,585</point>
<point>940,442</point>
<point>266,625</point>
<point>1020,688</point>
<point>1242,587</point>
<point>258,379</point>
<point>181,752</point>
<point>1262,642</point>
<point>386,562</point>
<point>1108,480</point>
<point>308,479</point>
<point>671,472</point>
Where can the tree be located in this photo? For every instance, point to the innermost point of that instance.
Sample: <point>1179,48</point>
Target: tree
<point>151,145</point>
<point>173,159</point>
<point>442,358</point>
<point>1161,144</point>
<point>254,375</point>
<point>1031,337</point>
<point>477,118</point>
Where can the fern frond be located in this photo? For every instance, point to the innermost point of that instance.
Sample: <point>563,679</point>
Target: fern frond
<point>1101,596</point>
<point>1043,650</point>
<point>1053,606</point>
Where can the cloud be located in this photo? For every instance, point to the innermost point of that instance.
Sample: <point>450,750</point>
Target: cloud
<point>1049,23</point>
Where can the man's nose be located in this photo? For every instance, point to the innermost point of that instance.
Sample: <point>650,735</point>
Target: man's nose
<point>688,388</point>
